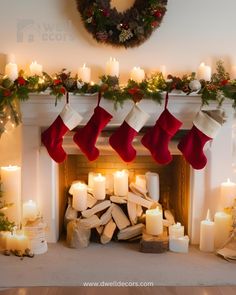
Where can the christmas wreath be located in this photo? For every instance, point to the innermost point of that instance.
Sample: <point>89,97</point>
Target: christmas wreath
<point>129,28</point>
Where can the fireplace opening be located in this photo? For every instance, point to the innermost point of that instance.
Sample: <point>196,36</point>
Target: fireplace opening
<point>174,180</point>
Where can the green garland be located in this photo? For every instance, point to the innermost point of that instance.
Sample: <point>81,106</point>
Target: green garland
<point>12,92</point>
<point>128,29</point>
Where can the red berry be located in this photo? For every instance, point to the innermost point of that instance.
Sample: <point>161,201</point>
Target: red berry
<point>158,14</point>
<point>57,82</point>
<point>6,93</point>
<point>21,81</point>
<point>62,90</point>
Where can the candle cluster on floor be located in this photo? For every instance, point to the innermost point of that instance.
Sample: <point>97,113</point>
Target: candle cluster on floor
<point>115,208</point>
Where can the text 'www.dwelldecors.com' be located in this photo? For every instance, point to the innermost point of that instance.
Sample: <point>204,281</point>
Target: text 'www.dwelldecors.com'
<point>118,284</point>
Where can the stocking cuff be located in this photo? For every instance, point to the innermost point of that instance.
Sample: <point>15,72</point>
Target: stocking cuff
<point>136,118</point>
<point>70,117</point>
<point>206,124</point>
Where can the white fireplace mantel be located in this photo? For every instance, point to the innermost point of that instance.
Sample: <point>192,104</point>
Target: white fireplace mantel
<point>40,172</point>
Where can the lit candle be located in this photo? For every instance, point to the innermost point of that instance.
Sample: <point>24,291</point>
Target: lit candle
<point>228,193</point>
<point>3,239</point>
<point>90,179</point>
<point>176,230</point>
<point>11,186</point>
<point>11,71</point>
<point>84,74</point>
<point>36,69</point>
<point>207,234</point>
<point>80,197</point>
<point>163,71</point>
<point>11,241</point>
<point>141,181</point>
<point>112,67</point>
<point>22,242</point>
<point>204,72</point>
<point>179,245</point>
<point>30,210</point>
<point>137,74</point>
<point>223,223</point>
<point>154,222</point>
<point>121,183</point>
<point>233,73</point>
<point>99,187</point>
<point>109,183</point>
<point>153,185</point>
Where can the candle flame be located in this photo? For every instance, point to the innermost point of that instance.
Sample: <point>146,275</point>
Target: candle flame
<point>208,217</point>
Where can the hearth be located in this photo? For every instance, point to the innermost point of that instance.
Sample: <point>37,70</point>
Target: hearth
<point>196,191</point>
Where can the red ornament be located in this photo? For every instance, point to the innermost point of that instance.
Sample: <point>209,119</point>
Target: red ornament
<point>157,14</point>
<point>62,90</point>
<point>57,82</point>
<point>134,90</point>
<point>154,24</point>
<point>224,82</point>
<point>6,93</point>
<point>21,81</point>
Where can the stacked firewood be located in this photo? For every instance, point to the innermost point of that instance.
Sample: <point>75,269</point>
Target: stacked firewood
<point>118,218</point>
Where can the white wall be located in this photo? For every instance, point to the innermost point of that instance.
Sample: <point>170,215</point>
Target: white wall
<point>192,31</point>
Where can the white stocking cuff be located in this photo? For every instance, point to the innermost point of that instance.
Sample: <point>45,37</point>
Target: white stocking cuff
<point>136,118</point>
<point>70,117</point>
<point>206,124</point>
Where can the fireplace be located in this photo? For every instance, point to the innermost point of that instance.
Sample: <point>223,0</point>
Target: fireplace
<point>45,181</point>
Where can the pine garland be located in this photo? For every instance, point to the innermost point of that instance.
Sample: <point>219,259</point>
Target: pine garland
<point>12,92</point>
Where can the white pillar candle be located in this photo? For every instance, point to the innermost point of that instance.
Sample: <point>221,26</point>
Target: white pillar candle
<point>233,73</point>
<point>228,193</point>
<point>112,67</point>
<point>11,241</point>
<point>176,230</point>
<point>109,183</point>
<point>99,187</point>
<point>3,239</point>
<point>84,74</point>
<point>179,245</point>
<point>207,234</point>
<point>137,74</point>
<point>11,71</point>
<point>30,210</point>
<point>91,176</point>
<point>153,185</point>
<point>36,69</point>
<point>154,222</point>
<point>204,72</point>
<point>80,197</point>
<point>163,71</point>
<point>121,183</point>
<point>11,187</point>
<point>223,223</point>
<point>22,242</point>
<point>140,180</point>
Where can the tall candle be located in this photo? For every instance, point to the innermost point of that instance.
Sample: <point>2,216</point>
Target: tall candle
<point>84,74</point>
<point>91,176</point>
<point>137,74</point>
<point>36,69</point>
<point>154,222</point>
<point>11,71</point>
<point>112,67</point>
<point>207,234</point>
<point>121,183</point>
<point>163,71</point>
<point>223,223</point>
<point>11,187</point>
<point>99,187</point>
<point>228,193</point>
<point>176,230</point>
<point>30,210</point>
<point>204,72</point>
<point>80,197</point>
<point>141,181</point>
<point>153,185</point>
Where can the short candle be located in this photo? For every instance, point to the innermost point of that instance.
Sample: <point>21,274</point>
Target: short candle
<point>154,222</point>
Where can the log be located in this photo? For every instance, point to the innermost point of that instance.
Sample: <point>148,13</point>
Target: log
<point>100,229</point>
<point>99,207</point>
<point>154,244</point>
<point>78,235</point>
<point>139,200</point>
<point>105,218</point>
<point>139,210</point>
<point>137,190</point>
<point>119,217</point>
<point>91,201</point>
<point>108,232</point>
<point>169,216</point>
<point>91,222</point>
<point>132,211</point>
<point>130,232</point>
<point>118,200</point>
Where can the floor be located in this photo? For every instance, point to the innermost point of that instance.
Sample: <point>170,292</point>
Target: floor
<point>115,264</point>
<point>123,291</point>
